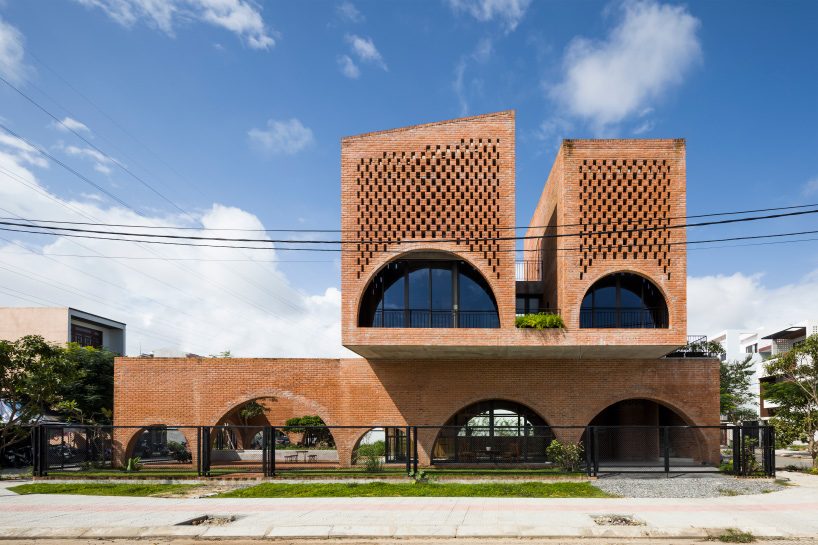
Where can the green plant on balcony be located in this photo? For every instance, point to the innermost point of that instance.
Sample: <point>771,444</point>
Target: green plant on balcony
<point>543,320</point>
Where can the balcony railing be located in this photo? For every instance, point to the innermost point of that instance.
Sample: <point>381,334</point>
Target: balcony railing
<point>696,347</point>
<point>525,271</point>
<point>623,318</point>
<point>425,318</point>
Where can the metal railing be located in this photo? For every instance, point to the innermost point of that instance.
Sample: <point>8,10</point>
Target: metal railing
<point>528,271</point>
<point>269,450</point>
<point>696,347</point>
<point>425,318</point>
<point>624,318</point>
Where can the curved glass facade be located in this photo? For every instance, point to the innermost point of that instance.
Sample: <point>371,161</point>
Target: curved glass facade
<point>623,300</point>
<point>429,293</point>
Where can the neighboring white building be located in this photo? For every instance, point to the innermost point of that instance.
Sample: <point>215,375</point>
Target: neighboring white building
<point>62,325</point>
<point>762,343</point>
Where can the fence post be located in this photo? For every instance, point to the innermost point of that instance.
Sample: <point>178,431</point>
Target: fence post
<point>667,452</point>
<point>588,444</point>
<point>736,451</point>
<point>772,450</point>
<point>264,443</point>
<point>206,451</point>
<point>596,451</point>
<point>415,447</point>
<point>35,443</point>
<point>407,436</point>
<point>199,450</point>
<point>273,452</point>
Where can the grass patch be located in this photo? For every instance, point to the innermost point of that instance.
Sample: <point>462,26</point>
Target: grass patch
<point>105,489</point>
<point>732,535</point>
<point>728,492</point>
<point>397,490</point>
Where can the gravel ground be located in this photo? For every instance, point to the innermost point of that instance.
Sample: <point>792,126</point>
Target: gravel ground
<point>681,487</point>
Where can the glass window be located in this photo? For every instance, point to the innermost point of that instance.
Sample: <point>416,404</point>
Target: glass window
<point>623,300</point>
<point>429,293</point>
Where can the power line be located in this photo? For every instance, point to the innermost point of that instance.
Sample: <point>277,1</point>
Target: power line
<point>171,227</point>
<point>581,248</point>
<point>408,241</point>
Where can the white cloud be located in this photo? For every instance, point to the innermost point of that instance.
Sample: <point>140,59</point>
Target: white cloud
<point>646,54</point>
<point>348,67</point>
<point>69,124</point>
<point>12,66</point>
<point>810,188</point>
<point>644,127</point>
<point>241,17</point>
<point>716,303</point>
<point>365,50</point>
<point>511,12</point>
<point>101,162</point>
<point>282,137</point>
<point>483,50</point>
<point>197,306</point>
<point>459,72</point>
<point>348,12</point>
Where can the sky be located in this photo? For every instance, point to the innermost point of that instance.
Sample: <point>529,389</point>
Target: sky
<point>228,114</point>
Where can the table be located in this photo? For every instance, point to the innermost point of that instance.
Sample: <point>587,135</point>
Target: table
<point>297,452</point>
<point>492,455</point>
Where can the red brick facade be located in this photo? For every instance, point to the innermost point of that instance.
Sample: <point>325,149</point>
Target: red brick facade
<point>450,187</point>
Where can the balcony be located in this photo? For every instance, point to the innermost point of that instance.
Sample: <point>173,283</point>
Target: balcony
<point>425,318</point>
<point>623,318</point>
<point>528,271</point>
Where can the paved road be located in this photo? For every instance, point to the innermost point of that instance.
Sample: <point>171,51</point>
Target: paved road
<point>788,513</point>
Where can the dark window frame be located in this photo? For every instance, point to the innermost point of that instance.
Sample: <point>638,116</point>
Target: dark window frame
<point>645,316</point>
<point>85,336</point>
<point>373,313</point>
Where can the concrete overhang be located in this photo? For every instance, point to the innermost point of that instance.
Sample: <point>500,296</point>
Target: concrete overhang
<point>512,352</point>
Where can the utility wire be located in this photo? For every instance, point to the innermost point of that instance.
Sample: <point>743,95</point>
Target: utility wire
<point>170,227</point>
<point>409,241</point>
<point>581,248</point>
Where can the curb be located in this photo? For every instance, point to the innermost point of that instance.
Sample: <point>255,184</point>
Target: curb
<point>369,532</point>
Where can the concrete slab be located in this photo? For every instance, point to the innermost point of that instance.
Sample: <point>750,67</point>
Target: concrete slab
<point>60,533</point>
<point>488,531</point>
<point>616,531</point>
<point>426,531</point>
<point>317,532</point>
<point>115,531</point>
<point>236,531</point>
<point>362,531</point>
<point>173,531</point>
<point>550,531</point>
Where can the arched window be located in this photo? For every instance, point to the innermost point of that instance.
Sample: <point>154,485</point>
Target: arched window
<point>494,430</point>
<point>623,300</point>
<point>439,293</point>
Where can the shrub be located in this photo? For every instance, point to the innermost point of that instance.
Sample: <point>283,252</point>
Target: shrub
<point>371,455</point>
<point>132,464</point>
<point>175,446</point>
<point>542,320</point>
<point>566,456</point>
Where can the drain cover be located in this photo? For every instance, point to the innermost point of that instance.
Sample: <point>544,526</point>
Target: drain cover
<point>209,520</point>
<point>617,520</point>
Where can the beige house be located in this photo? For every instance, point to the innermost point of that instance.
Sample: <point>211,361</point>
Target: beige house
<point>61,326</point>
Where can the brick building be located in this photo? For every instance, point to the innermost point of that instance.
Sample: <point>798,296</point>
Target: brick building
<point>431,289</point>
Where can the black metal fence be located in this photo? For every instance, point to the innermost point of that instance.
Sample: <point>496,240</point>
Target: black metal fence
<point>626,318</point>
<point>273,450</point>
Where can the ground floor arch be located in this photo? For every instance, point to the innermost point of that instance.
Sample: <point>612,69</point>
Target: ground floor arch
<point>638,431</point>
<point>493,430</point>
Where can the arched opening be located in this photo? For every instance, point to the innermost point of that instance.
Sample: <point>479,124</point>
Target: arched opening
<point>159,446</point>
<point>493,431</point>
<point>623,300</point>
<point>636,432</point>
<point>388,444</point>
<point>429,290</point>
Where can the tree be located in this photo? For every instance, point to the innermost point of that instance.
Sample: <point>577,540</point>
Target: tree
<point>312,436</point>
<point>796,390</point>
<point>251,409</point>
<point>92,390</point>
<point>735,393</point>
<point>32,373</point>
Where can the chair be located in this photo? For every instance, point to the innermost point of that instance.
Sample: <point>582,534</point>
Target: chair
<point>513,453</point>
<point>465,455</point>
<point>312,458</point>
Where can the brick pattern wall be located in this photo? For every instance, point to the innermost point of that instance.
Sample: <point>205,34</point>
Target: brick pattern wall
<point>566,392</point>
<point>439,187</point>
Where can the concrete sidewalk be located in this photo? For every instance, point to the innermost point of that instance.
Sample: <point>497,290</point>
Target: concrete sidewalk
<point>792,512</point>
